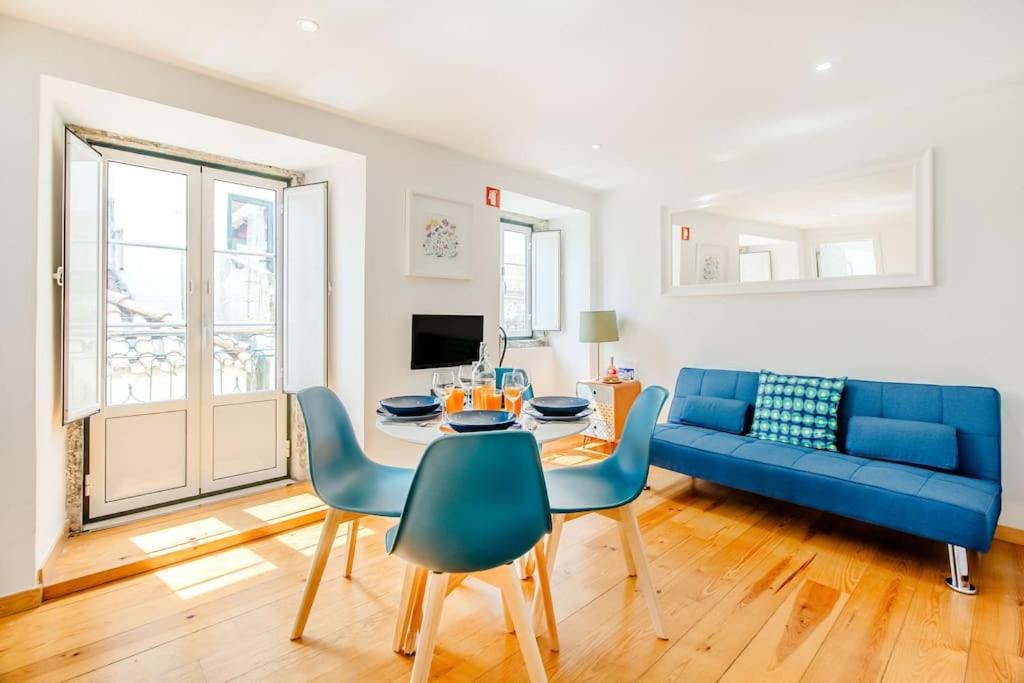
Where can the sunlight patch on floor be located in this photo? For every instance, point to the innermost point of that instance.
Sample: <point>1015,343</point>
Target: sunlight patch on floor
<point>181,535</point>
<point>568,459</point>
<point>304,540</point>
<point>292,505</point>
<point>210,573</point>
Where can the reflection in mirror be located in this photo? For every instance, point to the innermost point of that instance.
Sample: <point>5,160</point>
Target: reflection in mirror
<point>860,226</point>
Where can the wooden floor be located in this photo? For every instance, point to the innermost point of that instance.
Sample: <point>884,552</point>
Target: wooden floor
<point>751,589</point>
<point>97,557</point>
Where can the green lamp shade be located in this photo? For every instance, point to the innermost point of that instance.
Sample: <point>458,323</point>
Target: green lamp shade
<point>598,326</point>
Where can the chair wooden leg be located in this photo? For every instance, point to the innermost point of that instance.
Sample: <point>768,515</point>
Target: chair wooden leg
<point>416,618</point>
<point>627,552</point>
<point>509,626</point>
<point>544,588</point>
<point>350,542</point>
<point>636,543</point>
<point>328,533</point>
<point>523,623</point>
<point>557,522</point>
<point>405,605</point>
<point>437,586</point>
<point>520,565</point>
<point>531,565</point>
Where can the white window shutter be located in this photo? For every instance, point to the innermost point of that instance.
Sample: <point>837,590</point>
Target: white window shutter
<point>83,280</point>
<point>547,280</point>
<point>305,286</point>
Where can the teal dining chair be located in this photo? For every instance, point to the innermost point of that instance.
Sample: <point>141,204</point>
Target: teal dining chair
<point>477,503</point>
<point>499,373</point>
<point>348,482</point>
<point>609,488</point>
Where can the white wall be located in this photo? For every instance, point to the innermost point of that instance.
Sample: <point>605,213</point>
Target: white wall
<point>966,329</point>
<point>50,459</point>
<point>394,163</point>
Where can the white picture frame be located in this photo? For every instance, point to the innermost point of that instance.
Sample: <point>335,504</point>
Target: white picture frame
<point>712,263</point>
<point>439,236</point>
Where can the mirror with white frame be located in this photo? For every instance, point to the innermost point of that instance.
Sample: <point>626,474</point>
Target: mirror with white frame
<point>860,229</point>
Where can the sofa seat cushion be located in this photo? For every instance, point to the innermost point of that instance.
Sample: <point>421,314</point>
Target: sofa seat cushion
<point>942,506</point>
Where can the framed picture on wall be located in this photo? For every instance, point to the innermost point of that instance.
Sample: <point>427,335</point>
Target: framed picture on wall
<point>439,236</point>
<point>712,263</point>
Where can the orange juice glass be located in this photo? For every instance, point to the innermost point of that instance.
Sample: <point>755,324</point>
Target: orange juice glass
<point>480,397</point>
<point>455,400</point>
<point>493,399</point>
<point>514,400</point>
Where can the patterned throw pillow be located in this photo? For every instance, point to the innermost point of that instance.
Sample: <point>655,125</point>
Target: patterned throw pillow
<point>801,411</point>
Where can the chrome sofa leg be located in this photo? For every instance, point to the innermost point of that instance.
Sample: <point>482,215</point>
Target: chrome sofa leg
<point>960,576</point>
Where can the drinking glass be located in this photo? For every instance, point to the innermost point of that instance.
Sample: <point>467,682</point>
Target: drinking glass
<point>466,378</point>
<point>443,386</point>
<point>513,384</point>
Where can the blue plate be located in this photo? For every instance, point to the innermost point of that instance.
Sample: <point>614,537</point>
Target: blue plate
<point>559,406</point>
<point>481,420</point>
<point>410,405</point>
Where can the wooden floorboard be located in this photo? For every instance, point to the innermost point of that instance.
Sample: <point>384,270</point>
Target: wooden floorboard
<point>97,557</point>
<point>751,589</point>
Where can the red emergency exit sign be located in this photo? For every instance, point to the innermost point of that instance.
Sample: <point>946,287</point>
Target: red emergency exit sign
<point>493,195</point>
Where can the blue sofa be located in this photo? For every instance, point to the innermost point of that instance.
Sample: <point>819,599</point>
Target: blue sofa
<point>956,502</point>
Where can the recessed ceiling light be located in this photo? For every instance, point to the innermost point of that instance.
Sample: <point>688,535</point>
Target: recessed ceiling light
<point>595,146</point>
<point>824,66</point>
<point>307,25</point>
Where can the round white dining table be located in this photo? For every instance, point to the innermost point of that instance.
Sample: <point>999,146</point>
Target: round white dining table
<point>425,432</point>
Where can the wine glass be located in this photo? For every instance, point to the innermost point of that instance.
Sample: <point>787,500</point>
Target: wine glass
<point>443,385</point>
<point>466,379</point>
<point>513,384</point>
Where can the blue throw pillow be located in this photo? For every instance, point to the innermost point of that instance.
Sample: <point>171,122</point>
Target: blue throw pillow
<point>801,411</point>
<point>916,443</point>
<point>723,414</point>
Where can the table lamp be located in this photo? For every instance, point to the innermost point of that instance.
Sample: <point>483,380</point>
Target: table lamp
<point>597,327</point>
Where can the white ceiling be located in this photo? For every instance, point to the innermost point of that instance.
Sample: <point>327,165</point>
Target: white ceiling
<point>533,83</point>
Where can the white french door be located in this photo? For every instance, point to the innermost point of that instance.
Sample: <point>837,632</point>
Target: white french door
<point>243,404</point>
<point>193,400</point>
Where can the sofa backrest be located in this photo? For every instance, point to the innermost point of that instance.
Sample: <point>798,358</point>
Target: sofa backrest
<point>973,411</point>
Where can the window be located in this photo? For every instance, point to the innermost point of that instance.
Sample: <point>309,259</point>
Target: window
<point>846,258</point>
<point>515,281</point>
<point>195,297</point>
<point>755,266</point>
<point>530,278</point>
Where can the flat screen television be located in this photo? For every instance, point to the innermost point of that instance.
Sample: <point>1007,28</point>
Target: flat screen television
<point>445,341</point>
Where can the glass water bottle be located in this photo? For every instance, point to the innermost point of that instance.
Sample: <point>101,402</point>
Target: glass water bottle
<point>483,380</point>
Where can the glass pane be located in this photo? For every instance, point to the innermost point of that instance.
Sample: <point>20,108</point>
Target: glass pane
<point>244,289</point>
<point>514,247</point>
<point>244,359</point>
<point>147,280</point>
<point>146,205</point>
<point>244,218</point>
<point>146,284</point>
<point>515,280</point>
<point>844,259</point>
<point>755,266</point>
<point>514,312</point>
<point>145,363</point>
